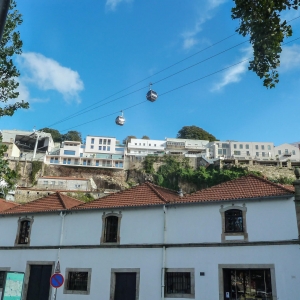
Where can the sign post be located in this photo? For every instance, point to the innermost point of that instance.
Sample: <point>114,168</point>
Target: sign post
<point>57,280</point>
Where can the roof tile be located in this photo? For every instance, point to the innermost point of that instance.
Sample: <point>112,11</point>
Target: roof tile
<point>4,205</point>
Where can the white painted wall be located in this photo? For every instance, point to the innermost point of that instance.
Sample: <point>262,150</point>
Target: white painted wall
<point>287,148</point>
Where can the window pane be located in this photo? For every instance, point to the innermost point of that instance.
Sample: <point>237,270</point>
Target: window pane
<point>111,229</point>
<point>24,232</point>
<point>233,220</point>
<point>2,274</point>
<point>77,281</point>
<point>178,283</point>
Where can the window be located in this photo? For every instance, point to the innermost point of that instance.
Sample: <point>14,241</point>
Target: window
<point>69,152</point>
<point>100,148</point>
<point>104,141</point>
<point>108,148</point>
<point>60,182</point>
<point>53,182</point>
<point>241,146</point>
<point>64,161</point>
<point>269,147</point>
<point>251,281</point>
<point>256,147</point>
<point>233,220</point>
<point>24,230</point>
<point>234,146</point>
<point>286,151</point>
<point>294,152</point>
<point>104,148</point>
<point>247,146</point>
<point>154,145</point>
<point>111,228</point>
<point>257,153</point>
<point>100,141</point>
<point>92,146</point>
<point>234,223</point>
<point>149,144</point>
<point>262,147</point>
<point>220,152</point>
<point>248,153</point>
<point>179,283</point>
<point>263,154</point>
<point>237,152</point>
<point>2,274</point>
<point>279,152</point>
<point>92,141</point>
<point>108,142</point>
<point>78,281</point>
<point>45,182</point>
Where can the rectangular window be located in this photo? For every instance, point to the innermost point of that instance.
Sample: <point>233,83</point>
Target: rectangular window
<point>108,148</point>
<point>154,145</point>
<point>24,232</point>
<point>286,151</point>
<point>237,152</point>
<point>294,152</point>
<point>64,161</point>
<point>220,152</point>
<point>256,147</point>
<point>149,144</point>
<point>269,147</point>
<point>279,152</point>
<point>108,142</point>
<point>100,148</point>
<point>104,142</point>
<point>247,146</point>
<point>92,141</point>
<point>100,141</point>
<point>69,152</point>
<point>104,148</point>
<point>234,146</point>
<point>248,153</point>
<point>45,182</point>
<point>53,182</point>
<point>263,154</point>
<point>92,146</point>
<point>225,145</point>
<point>69,161</point>
<point>60,182</point>
<point>110,228</point>
<point>179,283</point>
<point>257,153</point>
<point>77,281</point>
<point>241,146</point>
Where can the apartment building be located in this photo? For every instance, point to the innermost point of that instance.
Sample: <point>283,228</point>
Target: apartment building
<point>186,147</point>
<point>287,151</point>
<point>98,151</point>
<point>143,147</point>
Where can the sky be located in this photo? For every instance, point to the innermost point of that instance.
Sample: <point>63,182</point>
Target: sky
<point>85,61</point>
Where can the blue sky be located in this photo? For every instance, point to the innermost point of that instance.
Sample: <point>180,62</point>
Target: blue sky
<point>80,53</point>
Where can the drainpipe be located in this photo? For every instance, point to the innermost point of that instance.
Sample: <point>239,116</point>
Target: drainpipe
<point>164,255</point>
<point>296,184</point>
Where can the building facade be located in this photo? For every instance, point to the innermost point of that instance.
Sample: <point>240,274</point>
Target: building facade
<point>149,243</point>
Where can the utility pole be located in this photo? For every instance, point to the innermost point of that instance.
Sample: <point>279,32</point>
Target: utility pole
<point>4,6</point>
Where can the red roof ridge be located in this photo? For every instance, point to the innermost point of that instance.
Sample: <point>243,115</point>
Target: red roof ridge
<point>151,185</point>
<point>61,200</point>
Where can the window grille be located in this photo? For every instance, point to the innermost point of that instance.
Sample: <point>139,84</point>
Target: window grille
<point>111,229</point>
<point>24,232</point>
<point>234,220</point>
<point>178,283</point>
<point>77,281</point>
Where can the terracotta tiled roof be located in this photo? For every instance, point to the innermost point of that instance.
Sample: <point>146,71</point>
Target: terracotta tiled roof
<point>246,187</point>
<point>141,195</point>
<point>53,202</point>
<point>4,205</point>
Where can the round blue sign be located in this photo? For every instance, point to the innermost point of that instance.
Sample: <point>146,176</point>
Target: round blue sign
<point>57,280</point>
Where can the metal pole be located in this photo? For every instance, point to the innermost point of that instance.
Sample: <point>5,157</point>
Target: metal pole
<point>36,142</point>
<point>55,294</point>
<point>4,6</point>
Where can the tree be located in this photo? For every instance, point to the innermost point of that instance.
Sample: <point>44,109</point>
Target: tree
<point>145,137</point>
<point>261,20</point>
<point>10,45</point>
<point>128,139</point>
<point>72,135</point>
<point>195,133</point>
<point>56,135</point>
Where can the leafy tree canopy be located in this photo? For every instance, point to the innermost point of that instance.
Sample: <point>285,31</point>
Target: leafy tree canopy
<point>10,46</point>
<point>72,135</point>
<point>262,22</point>
<point>145,137</point>
<point>56,135</point>
<point>195,133</point>
<point>128,139</point>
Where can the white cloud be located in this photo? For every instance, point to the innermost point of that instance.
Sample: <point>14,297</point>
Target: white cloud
<point>205,13</point>
<point>234,74</point>
<point>112,4</point>
<point>48,74</point>
<point>290,58</point>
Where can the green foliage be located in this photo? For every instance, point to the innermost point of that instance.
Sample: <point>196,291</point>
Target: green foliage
<point>10,46</point>
<point>283,180</point>
<point>56,135</point>
<point>72,135</point>
<point>148,164</point>
<point>195,133</point>
<point>128,139</point>
<point>145,137</point>
<point>6,174</point>
<point>262,21</point>
<point>84,197</point>
<point>36,167</point>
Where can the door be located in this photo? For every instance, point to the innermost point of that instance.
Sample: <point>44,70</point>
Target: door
<point>39,282</point>
<point>125,288</point>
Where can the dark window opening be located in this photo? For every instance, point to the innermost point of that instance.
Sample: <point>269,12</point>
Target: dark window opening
<point>234,220</point>
<point>2,275</point>
<point>77,281</point>
<point>111,229</point>
<point>247,284</point>
<point>24,232</point>
<point>178,283</point>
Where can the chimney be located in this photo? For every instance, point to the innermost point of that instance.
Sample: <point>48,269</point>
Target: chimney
<point>180,193</point>
<point>296,184</point>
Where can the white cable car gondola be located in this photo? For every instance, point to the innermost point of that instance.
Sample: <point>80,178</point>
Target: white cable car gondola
<point>151,95</point>
<point>120,120</point>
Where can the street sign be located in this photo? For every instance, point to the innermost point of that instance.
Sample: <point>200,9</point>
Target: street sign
<point>57,280</point>
<point>13,286</point>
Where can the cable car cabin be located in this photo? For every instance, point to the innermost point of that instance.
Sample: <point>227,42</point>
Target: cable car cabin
<point>151,96</point>
<point>120,120</point>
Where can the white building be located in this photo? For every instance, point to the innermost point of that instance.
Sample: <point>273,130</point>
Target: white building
<point>236,240</point>
<point>186,147</point>
<point>287,151</point>
<point>241,150</point>
<point>143,147</point>
<point>98,151</point>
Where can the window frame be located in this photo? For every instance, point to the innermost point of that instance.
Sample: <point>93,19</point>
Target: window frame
<point>20,220</point>
<point>181,270</point>
<point>3,270</point>
<point>67,271</point>
<point>103,233</point>
<point>231,235</point>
